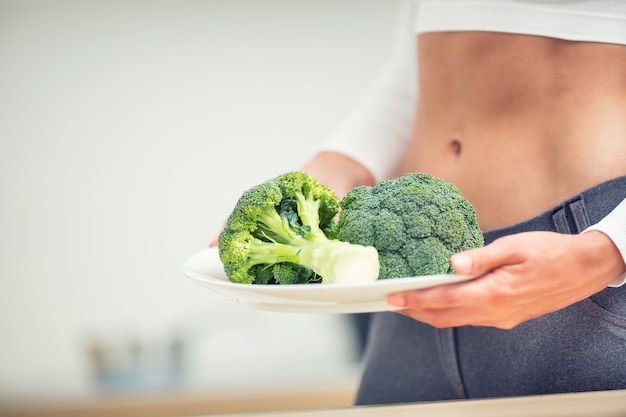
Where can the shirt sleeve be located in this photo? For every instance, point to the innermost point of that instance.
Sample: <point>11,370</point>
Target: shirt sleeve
<point>376,133</point>
<point>614,226</point>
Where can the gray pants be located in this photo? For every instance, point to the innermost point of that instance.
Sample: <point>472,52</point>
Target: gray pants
<point>579,348</point>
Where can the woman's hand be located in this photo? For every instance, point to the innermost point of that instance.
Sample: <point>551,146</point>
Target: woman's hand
<point>522,276</point>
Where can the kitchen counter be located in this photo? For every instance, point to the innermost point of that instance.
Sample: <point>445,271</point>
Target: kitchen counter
<point>596,404</point>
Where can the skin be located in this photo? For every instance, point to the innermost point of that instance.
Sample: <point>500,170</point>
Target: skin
<point>518,123</point>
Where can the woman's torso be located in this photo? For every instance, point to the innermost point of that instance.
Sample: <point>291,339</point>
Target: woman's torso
<point>518,122</point>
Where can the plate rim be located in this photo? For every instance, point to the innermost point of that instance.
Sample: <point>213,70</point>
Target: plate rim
<point>270,297</point>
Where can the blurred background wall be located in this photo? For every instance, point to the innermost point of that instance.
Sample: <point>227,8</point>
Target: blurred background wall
<point>127,131</point>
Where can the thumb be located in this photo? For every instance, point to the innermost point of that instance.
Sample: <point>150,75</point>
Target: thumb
<point>481,260</point>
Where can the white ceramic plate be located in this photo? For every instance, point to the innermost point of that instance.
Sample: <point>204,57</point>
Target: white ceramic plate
<point>206,269</point>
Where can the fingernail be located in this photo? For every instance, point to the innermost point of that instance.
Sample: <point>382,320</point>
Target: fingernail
<point>462,263</point>
<point>396,300</point>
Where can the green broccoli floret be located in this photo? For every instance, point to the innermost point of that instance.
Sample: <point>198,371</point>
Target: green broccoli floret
<point>283,231</point>
<point>417,222</point>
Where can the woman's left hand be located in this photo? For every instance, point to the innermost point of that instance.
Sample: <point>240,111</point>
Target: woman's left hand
<point>522,276</point>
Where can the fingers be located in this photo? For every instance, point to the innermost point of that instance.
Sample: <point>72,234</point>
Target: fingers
<point>484,289</point>
<point>481,260</point>
<point>461,317</point>
<point>476,302</point>
<point>471,262</point>
<point>512,283</point>
<point>443,306</point>
<point>435,318</point>
<point>439,297</point>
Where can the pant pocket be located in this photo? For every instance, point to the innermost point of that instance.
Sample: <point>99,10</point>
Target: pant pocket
<point>608,311</point>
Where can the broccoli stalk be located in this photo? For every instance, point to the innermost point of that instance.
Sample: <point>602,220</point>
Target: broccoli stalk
<point>283,231</point>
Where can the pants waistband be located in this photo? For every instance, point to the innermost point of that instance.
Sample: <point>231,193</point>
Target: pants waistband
<point>572,215</point>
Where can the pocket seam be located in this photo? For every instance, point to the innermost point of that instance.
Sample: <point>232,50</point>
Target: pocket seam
<point>601,314</point>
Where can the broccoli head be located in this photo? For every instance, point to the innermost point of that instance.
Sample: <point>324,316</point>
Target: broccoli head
<point>283,231</point>
<point>416,222</point>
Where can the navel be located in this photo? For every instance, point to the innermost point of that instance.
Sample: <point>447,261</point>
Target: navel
<point>455,147</point>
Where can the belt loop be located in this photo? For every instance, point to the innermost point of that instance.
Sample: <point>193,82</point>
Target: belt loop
<point>571,217</point>
<point>579,214</point>
<point>560,221</point>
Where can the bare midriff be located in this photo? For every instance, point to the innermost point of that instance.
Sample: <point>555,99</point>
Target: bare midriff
<point>518,123</point>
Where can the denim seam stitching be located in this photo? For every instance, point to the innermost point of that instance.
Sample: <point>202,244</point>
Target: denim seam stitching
<point>450,374</point>
<point>601,314</point>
